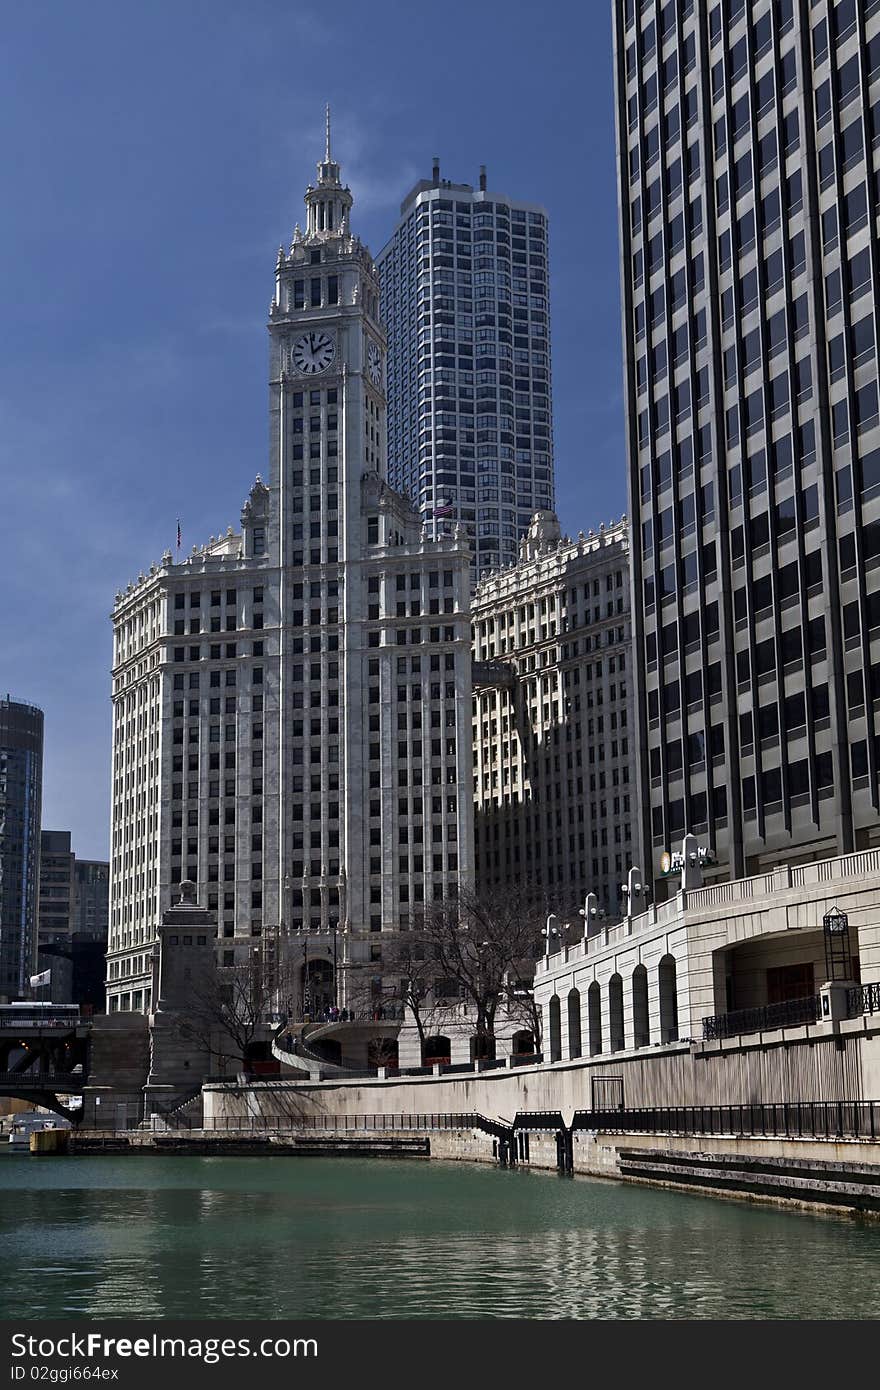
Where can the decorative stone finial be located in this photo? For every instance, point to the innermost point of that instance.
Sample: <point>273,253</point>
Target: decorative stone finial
<point>187,893</point>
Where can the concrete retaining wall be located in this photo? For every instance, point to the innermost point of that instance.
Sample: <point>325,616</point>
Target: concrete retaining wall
<point>808,1063</point>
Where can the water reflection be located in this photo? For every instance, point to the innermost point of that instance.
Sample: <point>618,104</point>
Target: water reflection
<point>169,1237</point>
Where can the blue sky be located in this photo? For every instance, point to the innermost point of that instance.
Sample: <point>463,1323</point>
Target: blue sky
<point>155,157</point>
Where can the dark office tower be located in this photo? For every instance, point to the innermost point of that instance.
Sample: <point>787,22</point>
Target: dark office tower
<point>748,198</point>
<point>21,783</point>
<point>465,301</point>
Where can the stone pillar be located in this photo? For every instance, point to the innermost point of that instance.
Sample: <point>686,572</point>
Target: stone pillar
<point>834,1000</point>
<point>186,961</point>
<point>629,1039</point>
<point>606,1016</point>
<point>654,1002</point>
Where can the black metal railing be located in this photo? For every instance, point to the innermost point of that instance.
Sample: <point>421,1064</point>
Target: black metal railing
<point>829,1119</point>
<point>351,1124</point>
<point>789,1014</point>
<point>863,999</point>
<point>525,1059</point>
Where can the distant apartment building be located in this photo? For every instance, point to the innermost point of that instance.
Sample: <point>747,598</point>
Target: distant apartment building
<point>465,304</point>
<point>554,768</point>
<point>57,888</point>
<point>73,921</point>
<point>747,148</point>
<point>21,786</point>
<point>91,900</point>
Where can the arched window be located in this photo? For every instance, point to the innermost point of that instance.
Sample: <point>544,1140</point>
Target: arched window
<point>574,1023</point>
<point>482,1047</point>
<point>641,1021</point>
<point>615,1012</point>
<point>522,1044</point>
<point>668,1000</point>
<point>555,1030</point>
<point>594,1017</point>
<point>436,1049</point>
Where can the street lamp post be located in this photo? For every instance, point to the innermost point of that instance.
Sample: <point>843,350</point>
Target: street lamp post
<point>591,912</point>
<point>553,931</point>
<point>549,932</point>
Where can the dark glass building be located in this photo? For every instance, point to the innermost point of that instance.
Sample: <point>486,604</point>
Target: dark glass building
<point>21,784</point>
<point>747,135</point>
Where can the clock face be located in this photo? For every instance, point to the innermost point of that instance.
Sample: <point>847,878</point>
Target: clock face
<point>313,352</point>
<point>374,364</point>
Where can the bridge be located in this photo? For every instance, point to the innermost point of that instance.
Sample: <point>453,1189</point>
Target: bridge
<point>44,1055</point>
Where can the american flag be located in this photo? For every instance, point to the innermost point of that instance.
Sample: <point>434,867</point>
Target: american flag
<point>179,536</point>
<point>443,509</point>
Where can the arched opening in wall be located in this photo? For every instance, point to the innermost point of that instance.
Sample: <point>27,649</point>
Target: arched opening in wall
<point>615,1012</point>
<point>382,1052</point>
<point>482,1048</point>
<point>555,1029</point>
<point>328,1049</point>
<point>436,1049</point>
<point>258,1059</point>
<point>594,1017</point>
<point>641,1021</point>
<point>574,1023</point>
<point>668,1000</point>
<point>522,1044</point>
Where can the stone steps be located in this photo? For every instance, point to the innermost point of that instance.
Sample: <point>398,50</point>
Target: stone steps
<point>852,1185</point>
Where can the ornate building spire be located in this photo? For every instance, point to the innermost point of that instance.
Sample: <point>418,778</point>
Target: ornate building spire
<point>329,202</point>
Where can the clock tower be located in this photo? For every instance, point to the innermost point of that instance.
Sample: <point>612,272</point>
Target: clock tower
<point>349,552</point>
<point>306,679</point>
<point>327,369</point>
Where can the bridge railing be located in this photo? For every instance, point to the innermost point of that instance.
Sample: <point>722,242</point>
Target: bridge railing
<point>44,1080</point>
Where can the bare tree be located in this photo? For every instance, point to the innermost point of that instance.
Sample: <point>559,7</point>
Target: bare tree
<point>486,944</point>
<point>229,1009</point>
<point>522,1007</point>
<point>412,967</point>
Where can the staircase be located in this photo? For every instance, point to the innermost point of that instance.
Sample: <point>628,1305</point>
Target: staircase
<point>305,1061</point>
<point>184,1112</point>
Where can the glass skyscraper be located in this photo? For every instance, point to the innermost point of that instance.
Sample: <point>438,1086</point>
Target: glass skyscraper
<point>465,302</point>
<point>746,138</point>
<point>21,790</point>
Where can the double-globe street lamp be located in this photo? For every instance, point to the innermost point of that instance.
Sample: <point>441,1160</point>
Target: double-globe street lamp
<point>549,932</point>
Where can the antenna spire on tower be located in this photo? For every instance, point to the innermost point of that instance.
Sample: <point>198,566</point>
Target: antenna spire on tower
<point>327,129</point>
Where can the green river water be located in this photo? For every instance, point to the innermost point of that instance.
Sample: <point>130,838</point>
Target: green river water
<point>163,1237</point>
